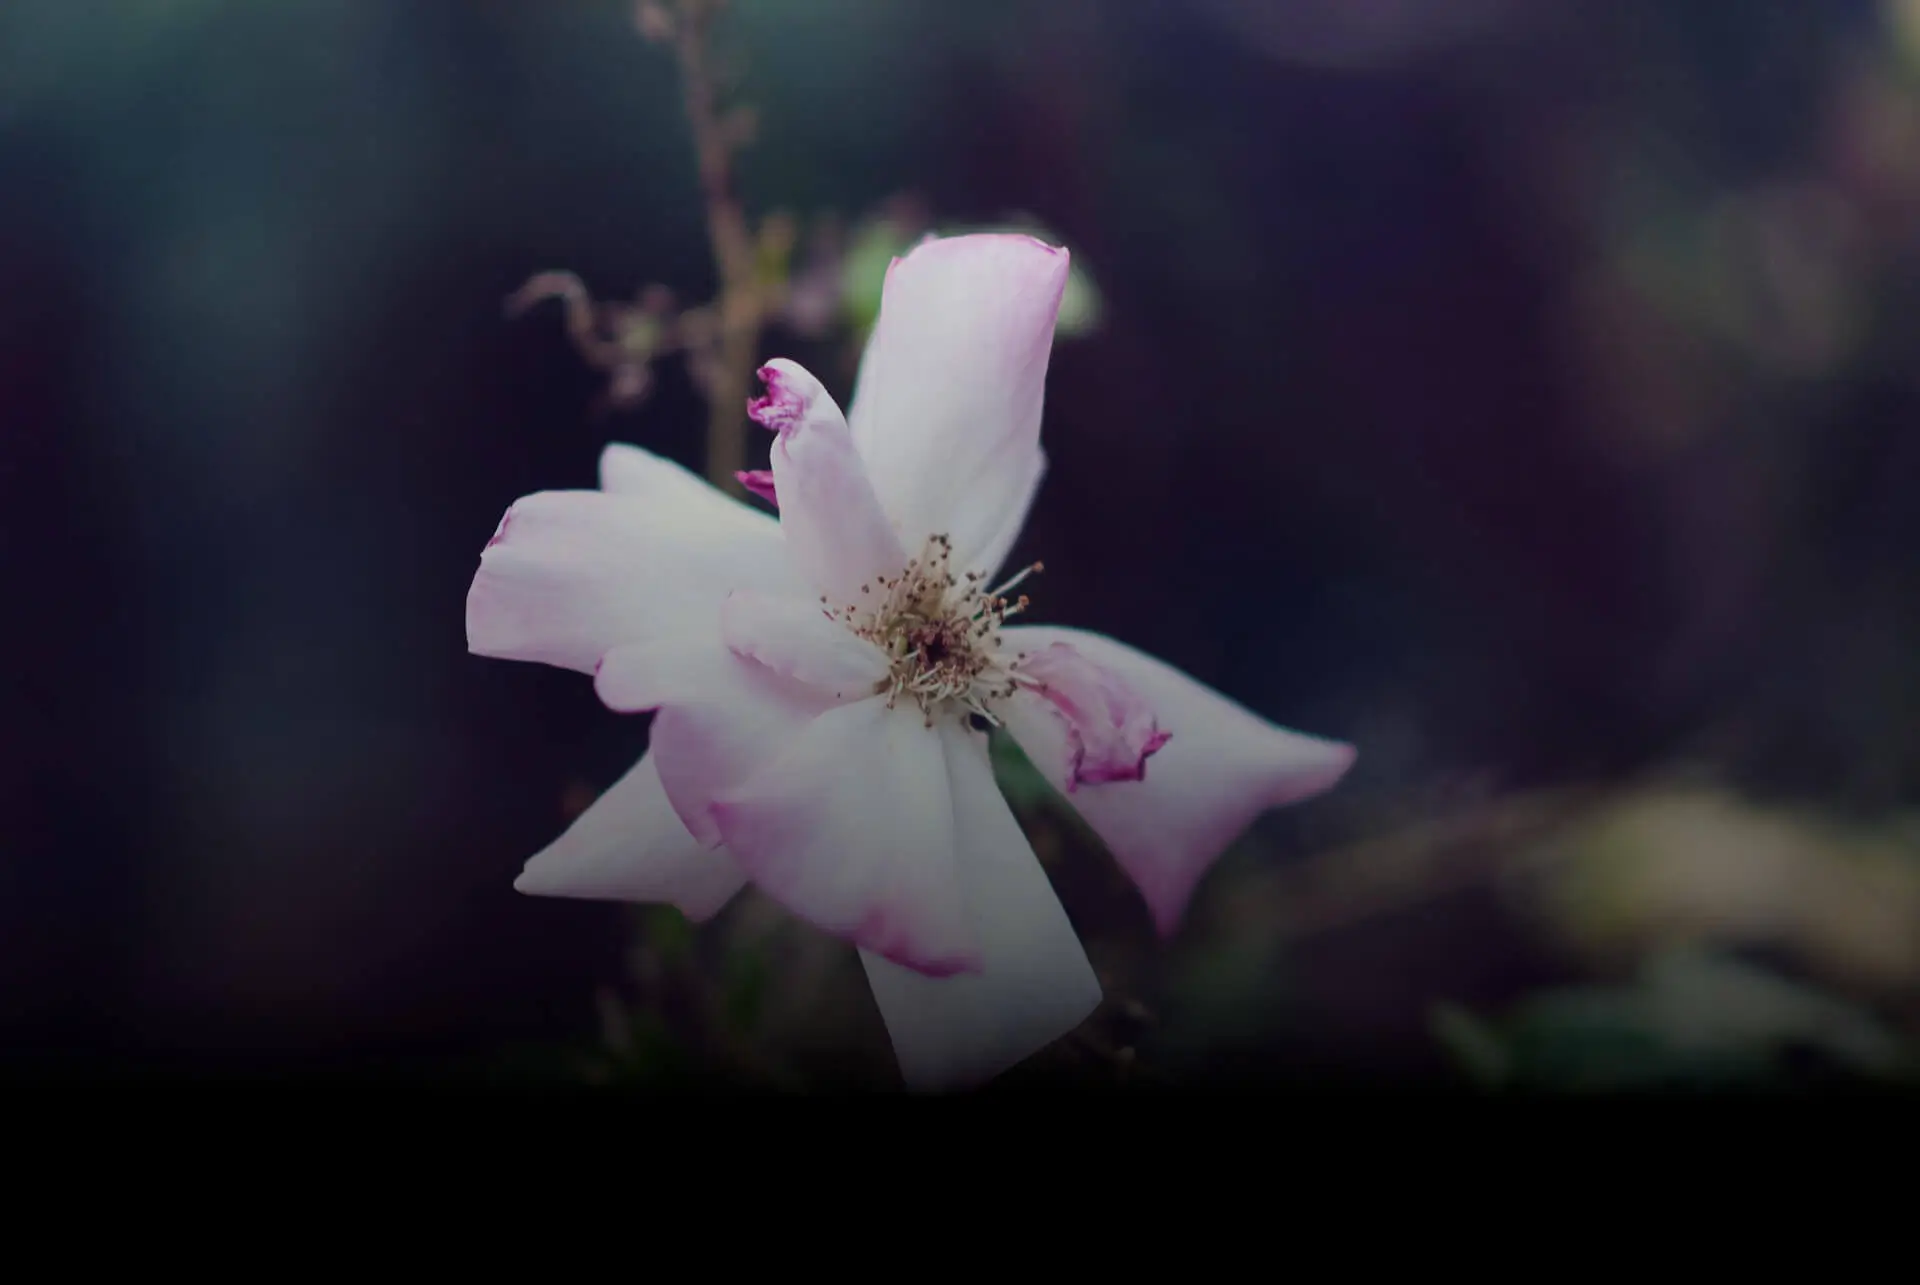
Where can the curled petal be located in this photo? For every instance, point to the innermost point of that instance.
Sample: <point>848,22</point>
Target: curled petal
<point>570,575</point>
<point>835,530</point>
<point>1111,730</point>
<point>946,412</point>
<point>799,640</point>
<point>852,828</point>
<point>1034,984</point>
<point>1223,767</point>
<point>629,846</point>
<point>759,481</point>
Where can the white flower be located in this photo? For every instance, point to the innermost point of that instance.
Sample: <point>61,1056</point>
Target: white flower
<point>817,679</point>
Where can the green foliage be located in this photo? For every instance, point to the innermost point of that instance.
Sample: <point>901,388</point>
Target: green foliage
<point>1031,795</point>
<point>1692,1020</point>
<point>1026,790</point>
<point>745,989</point>
<point>863,271</point>
<point>638,1048</point>
<point>667,932</point>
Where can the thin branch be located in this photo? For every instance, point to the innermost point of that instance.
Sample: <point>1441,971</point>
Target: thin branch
<point>741,308</point>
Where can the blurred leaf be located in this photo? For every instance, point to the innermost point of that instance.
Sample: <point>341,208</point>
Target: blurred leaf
<point>863,270</point>
<point>1693,1019</point>
<point>1904,17</point>
<point>1699,999</point>
<point>1020,780</point>
<point>667,931</point>
<point>773,249</point>
<point>1031,795</point>
<point>1666,866</point>
<point>1082,307</point>
<point>648,1053</point>
<point>1218,1001</point>
<point>745,988</point>
<point>1599,1040</point>
<point>1476,1046</point>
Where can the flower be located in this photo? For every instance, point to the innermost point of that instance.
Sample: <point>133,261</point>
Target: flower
<point>817,680</point>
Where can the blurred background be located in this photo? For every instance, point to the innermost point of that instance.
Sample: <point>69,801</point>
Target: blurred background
<point>1523,390</point>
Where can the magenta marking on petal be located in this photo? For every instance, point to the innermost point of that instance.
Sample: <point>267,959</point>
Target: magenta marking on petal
<point>1115,770</point>
<point>759,481</point>
<point>881,929</point>
<point>500,532</point>
<point>938,969</point>
<point>1111,730</point>
<point>782,408</point>
<point>878,933</point>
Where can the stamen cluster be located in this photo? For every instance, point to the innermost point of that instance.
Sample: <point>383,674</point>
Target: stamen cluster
<point>941,632</point>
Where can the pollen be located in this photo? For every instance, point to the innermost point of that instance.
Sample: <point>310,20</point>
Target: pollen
<point>941,634</point>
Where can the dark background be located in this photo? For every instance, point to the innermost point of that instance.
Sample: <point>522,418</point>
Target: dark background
<point>1523,391</point>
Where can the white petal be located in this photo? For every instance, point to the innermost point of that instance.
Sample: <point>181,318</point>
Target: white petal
<point>720,717</point>
<point>852,829</point>
<point>691,666</point>
<point>946,412</point>
<point>570,575</point>
<point>629,846</point>
<point>798,639</point>
<point>1035,984</point>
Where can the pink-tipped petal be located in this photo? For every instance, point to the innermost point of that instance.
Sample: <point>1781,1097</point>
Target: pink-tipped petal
<point>852,828</point>
<point>759,481</point>
<point>570,575</point>
<point>1222,768</point>
<point>1034,985</point>
<point>836,533</point>
<point>1111,729</point>
<point>946,411</point>
<point>720,718</point>
<point>797,639</point>
<point>629,846</point>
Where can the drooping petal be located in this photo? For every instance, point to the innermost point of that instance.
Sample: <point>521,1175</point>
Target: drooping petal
<point>1111,729</point>
<point>630,846</point>
<point>1034,985</point>
<point>720,717</point>
<point>570,575</point>
<point>1223,767</point>
<point>835,530</point>
<point>797,639</point>
<point>946,412</point>
<point>852,828</point>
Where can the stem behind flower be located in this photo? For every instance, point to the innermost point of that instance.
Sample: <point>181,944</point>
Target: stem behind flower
<point>741,309</point>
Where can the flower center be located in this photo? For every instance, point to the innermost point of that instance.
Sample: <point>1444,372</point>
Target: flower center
<point>941,633</point>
